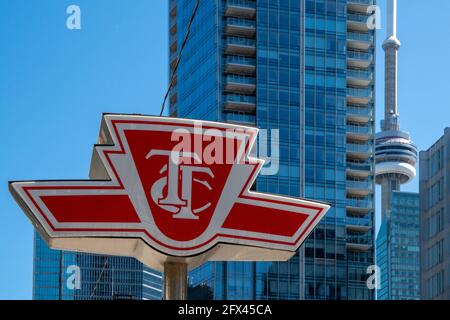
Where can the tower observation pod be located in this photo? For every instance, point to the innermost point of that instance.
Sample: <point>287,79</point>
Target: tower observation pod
<point>395,154</point>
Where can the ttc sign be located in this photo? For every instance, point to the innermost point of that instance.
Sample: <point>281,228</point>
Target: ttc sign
<point>167,189</point>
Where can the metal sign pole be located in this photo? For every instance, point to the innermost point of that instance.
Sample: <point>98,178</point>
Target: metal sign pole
<point>175,281</point>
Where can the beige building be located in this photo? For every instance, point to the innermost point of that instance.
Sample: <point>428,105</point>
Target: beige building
<point>434,176</point>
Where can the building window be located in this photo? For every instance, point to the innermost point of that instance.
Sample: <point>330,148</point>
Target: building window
<point>435,285</point>
<point>435,224</point>
<point>435,193</point>
<point>436,162</point>
<point>434,255</point>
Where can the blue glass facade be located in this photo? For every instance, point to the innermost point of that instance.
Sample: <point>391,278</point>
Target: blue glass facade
<point>398,244</point>
<point>101,277</point>
<point>305,68</point>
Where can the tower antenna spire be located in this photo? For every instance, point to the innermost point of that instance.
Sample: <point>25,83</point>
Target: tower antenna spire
<point>391,46</point>
<point>392,19</point>
<point>395,154</point>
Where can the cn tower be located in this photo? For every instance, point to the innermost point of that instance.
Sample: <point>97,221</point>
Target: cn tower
<point>395,154</point>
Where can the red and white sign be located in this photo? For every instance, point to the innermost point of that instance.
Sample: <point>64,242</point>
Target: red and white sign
<point>169,189</point>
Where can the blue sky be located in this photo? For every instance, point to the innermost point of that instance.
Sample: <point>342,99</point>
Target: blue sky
<point>424,87</point>
<point>55,83</point>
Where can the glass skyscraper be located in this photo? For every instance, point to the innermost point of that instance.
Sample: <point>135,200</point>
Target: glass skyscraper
<point>305,68</point>
<point>100,277</point>
<point>398,244</point>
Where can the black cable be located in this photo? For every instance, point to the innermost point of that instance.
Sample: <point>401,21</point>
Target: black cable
<point>172,76</point>
<point>99,278</point>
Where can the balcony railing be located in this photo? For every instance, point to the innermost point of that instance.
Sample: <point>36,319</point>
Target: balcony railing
<point>240,41</point>
<point>366,130</point>
<point>362,94</point>
<point>359,148</point>
<point>239,103</point>
<point>241,22</point>
<point>240,27</point>
<point>358,166</point>
<point>360,74</point>
<point>240,79</point>
<point>359,240</point>
<point>357,36</point>
<point>359,203</point>
<point>354,184</point>
<point>359,111</point>
<point>365,2</point>
<point>240,60</point>
<point>242,3</point>
<point>240,84</point>
<point>238,117</point>
<point>240,98</point>
<point>358,17</point>
<point>359,55</point>
<point>358,221</point>
<point>240,46</point>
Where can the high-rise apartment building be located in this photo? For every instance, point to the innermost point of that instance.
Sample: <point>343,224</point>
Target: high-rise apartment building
<point>434,180</point>
<point>56,274</point>
<point>397,251</point>
<point>305,68</point>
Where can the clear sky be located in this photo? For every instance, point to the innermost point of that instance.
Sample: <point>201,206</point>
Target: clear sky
<point>55,83</point>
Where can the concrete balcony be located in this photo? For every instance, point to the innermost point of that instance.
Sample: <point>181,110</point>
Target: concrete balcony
<point>240,27</point>
<point>359,59</point>
<point>358,77</point>
<point>173,98</point>
<point>240,8</point>
<point>240,84</point>
<point>359,206</point>
<point>359,188</point>
<point>359,114</point>
<point>359,133</point>
<point>360,152</point>
<point>358,170</point>
<point>360,96</point>
<point>240,46</point>
<point>173,4</point>
<point>239,103</point>
<point>173,62</point>
<point>359,41</point>
<point>173,26</point>
<point>240,65</point>
<point>358,224</point>
<point>173,46</point>
<point>359,5</point>
<point>358,247</point>
<point>358,243</point>
<point>357,22</point>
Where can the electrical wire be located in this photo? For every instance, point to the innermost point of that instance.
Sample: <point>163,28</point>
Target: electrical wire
<point>186,36</point>
<point>99,278</point>
<point>172,78</point>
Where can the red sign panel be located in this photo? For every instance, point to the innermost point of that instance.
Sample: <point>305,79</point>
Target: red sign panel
<point>179,186</point>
